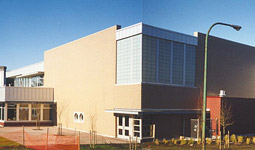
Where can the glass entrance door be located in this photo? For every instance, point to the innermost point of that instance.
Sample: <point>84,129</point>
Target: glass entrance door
<point>123,126</point>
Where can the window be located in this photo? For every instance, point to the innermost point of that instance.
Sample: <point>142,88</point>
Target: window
<point>190,65</point>
<point>126,121</point>
<point>11,112</point>
<point>47,110</point>
<point>29,82</point>
<point>137,134</point>
<point>136,122</point>
<point>36,112</point>
<point>126,132</point>
<point>36,81</point>
<point>178,63</point>
<point>23,112</point>
<point>120,120</point>
<point>168,62</point>
<point>136,128</point>
<point>79,117</point>
<point>129,60</point>
<point>164,66</point>
<point>120,132</point>
<point>75,116</point>
<point>149,60</point>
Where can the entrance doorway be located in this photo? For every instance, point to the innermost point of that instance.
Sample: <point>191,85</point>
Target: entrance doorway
<point>123,126</point>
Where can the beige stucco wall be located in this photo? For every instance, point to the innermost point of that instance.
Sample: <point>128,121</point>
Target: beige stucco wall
<point>82,74</point>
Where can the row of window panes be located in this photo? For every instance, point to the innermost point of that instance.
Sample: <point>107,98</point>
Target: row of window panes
<point>24,111</point>
<point>126,121</point>
<point>129,59</point>
<point>126,132</point>
<point>150,67</point>
<point>29,82</point>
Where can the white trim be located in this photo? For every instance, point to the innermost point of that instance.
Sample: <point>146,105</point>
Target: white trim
<point>141,60</point>
<point>129,31</point>
<point>137,111</point>
<point>26,70</point>
<point>122,112</point>
<point>120,84</point>
<point>155,32</point>
<point>30,74</point>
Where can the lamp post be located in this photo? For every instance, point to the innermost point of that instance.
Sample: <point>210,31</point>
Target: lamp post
<point>237,28</point>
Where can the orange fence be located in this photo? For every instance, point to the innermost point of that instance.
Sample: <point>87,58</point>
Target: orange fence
<point>44,140</point>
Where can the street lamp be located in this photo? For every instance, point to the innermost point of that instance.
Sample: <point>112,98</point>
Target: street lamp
<point>237,28</point>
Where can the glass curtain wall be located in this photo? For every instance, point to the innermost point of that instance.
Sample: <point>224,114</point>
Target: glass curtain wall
<point>156,60</point>
<point>29,81</point>
<point>129,60</point>
<point>168,62</point>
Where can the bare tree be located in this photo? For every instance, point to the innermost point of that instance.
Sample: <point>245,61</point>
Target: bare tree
<point>226,116</point>
<point>93,120</point>
<point>61,107</point>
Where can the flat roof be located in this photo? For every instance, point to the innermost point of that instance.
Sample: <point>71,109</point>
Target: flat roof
<point>152,111</point>
<point>26,71</point>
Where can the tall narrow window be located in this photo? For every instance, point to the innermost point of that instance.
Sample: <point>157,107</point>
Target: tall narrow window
<point>178,63</point>
<point>164,61</point>
<point>36,111</point>
<point>23,112</point>
<point>120,120</point>
<point>126,121</point>
<point>11,112</point>
<point>190,65</point>
<point>47,109</point>
<point>149,54</point>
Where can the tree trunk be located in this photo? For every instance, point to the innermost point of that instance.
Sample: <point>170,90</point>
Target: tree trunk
<point>224,128</point>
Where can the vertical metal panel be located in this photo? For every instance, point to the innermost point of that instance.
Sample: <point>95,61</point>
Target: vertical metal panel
<point>26,94</point>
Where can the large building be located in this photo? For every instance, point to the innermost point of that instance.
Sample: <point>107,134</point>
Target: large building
<point>23,99</point>
<point>139,81</point>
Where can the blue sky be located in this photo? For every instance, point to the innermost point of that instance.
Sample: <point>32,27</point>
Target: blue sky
<point>30,27</point>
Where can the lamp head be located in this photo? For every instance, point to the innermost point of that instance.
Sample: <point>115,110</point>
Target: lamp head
<point>236,27</point>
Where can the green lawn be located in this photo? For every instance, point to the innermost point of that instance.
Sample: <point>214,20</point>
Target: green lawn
<point>10,145</point>
<point>169,147</point>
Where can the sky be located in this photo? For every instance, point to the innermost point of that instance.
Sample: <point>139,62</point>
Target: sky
<point>30,27</point>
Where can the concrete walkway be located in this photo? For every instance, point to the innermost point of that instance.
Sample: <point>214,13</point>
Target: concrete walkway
<point>16,134</point>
